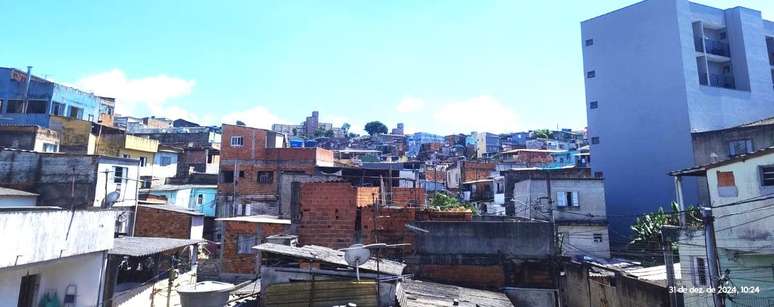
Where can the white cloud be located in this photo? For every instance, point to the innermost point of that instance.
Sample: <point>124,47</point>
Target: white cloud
<point>483,114</point>
<point>410,104</point>
<point>142,94</point>
<point>258,117</point>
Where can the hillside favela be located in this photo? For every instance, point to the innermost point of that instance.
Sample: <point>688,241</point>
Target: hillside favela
<point>387,153</point>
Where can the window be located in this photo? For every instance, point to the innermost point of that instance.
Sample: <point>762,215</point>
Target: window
<point>37,106</point>
<point>241,174</point>
<point>599,174</point>
<point>48,147</point>
<point>595,140</point>
<point>237,141</point>
<point>245,244</point>
<point>228,176</point>
<point>739,147</point>
<point>15,106</point>
<point>591,74</point>
<point>118,174</point>
<point>700,272</point>
<point>209,158</point>
<point>200,199</point>
<point>726,179</point>
<point>589,42</point>
<point>142,161</point>
<point>593,105</point>
<point>146,181</point>
<point>767,175</point>
<point>567,199</point>
<point>597,237</point>
<point>57,108</point>
<point>164,161</point>
<point>76,113</point>
<point>125,156</point>
<point>265,177</point>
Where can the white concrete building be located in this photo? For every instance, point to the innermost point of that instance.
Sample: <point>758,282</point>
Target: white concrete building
<point>657,70</point>
<point>164,164</point>
<point>740,193</point>
<point>578,208</point>
<point>64,252</point>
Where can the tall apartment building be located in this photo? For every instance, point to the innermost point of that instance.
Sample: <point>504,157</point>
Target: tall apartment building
<point>487,144</point>
<point>655,72</point>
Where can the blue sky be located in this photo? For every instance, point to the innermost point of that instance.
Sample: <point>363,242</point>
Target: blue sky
<point>438,66</point>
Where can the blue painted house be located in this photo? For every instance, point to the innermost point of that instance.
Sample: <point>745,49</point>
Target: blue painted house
<point>45,98</point>
<point>200,198</point>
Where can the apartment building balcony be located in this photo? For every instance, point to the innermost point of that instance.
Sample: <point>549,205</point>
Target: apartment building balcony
<point>716,47</point>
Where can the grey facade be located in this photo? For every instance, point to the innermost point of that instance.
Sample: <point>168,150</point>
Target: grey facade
<point>655,72</point>
<point>719,145</point>
<point>577,207</point>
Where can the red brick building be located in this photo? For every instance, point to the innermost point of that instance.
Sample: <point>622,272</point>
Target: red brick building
<point>168,221</point>
<point>331,213</point>
<point>251,160</point>
<point>475,170</point>
<point>240,234</point>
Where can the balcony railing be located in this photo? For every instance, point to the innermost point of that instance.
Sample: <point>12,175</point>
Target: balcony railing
<point>717,80</point>
<point>723,81</point>
<point>716,47</point>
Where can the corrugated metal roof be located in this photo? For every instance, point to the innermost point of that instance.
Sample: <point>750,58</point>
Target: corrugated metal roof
<point>700,170</point>
<point>266,219</point>
<point>173,187</point>
<point>143,246</point>
<point>329,255</point>
<point>415,293</point>
<point>14,192</point>
<point>173,209</point>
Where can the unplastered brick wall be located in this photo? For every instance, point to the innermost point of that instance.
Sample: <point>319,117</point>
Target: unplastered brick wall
<point>328,212</point>
<point>366,196</point>
<point>408,197</point>
<point>472,170</point>
<point>152,222</point>
<point>390,228</point>
<point>233,261</point>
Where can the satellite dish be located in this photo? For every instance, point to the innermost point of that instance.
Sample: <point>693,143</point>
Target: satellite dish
<point>111,198</point>
<point>356,255</point>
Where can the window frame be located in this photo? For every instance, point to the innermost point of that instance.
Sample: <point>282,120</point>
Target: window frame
<point>240,143</point>
<point>598,238</point>
<point>762,175</point>
<point>732,149</point>
<point>591,74</point>
<point>243,239</point>
<point>593,105</point>
<point>265,174</point>
<point>223,176</point>
<point>588,42</point>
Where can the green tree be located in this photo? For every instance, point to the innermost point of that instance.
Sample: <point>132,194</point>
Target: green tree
<point>646,230</point>
<point>345,127</point>
<point>375,127</point>
<point>542,133</point>
<point>445,202</point>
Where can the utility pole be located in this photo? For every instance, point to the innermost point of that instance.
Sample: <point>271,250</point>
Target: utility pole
<point>668,235</point>
<point>712,255</point>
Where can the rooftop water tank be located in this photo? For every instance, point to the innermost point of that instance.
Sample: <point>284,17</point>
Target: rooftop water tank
<point>205,294</point>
